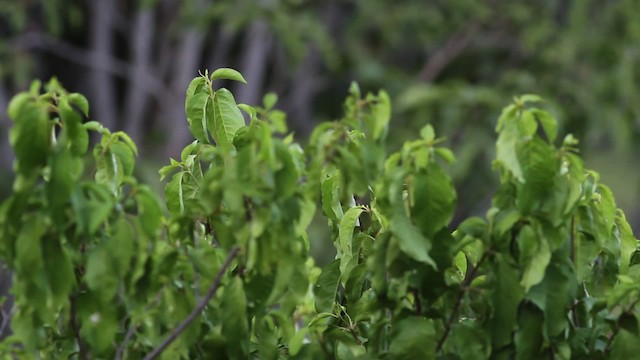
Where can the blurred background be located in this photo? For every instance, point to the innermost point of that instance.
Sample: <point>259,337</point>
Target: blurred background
<point>451,63</point>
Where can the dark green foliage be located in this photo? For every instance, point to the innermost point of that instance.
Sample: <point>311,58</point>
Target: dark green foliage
<point>103,271</point>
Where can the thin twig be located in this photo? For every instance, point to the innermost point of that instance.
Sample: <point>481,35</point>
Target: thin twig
<point>572,239</point>
<point>70,52</point>
<point>6,319</point>
<point>196,312</point>
<point>127,337</point>
<point>452,48</point>
<point>416,301</point>
<point>463,289</point>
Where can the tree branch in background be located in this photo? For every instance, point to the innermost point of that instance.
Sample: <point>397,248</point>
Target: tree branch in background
<point>77,55</point>
<point>101,40</point>
<point>184,68</point>
<point>196,312</point>
<point>452,48</point>
<point>141,49</point>
<point>6,153</point>
<point>255,56</point>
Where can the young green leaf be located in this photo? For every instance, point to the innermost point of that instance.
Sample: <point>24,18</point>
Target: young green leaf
<point>227,73</point>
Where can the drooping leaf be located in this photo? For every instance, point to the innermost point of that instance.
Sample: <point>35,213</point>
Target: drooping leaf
<point>410,239</point>
<point>234,319</point>
<point>326,287</point>
<point>434,199</point>
<point>227,118</point>
<point>345,236</point>
<point>30,137</point>
<point>73,131</point>
<point>535,254</point>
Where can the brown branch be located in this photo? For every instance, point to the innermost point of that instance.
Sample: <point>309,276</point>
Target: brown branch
<point>80,56</point>
<point>463,289</point>
<point>75,327</point>
<point>452,48</point>
<point>196,312</point>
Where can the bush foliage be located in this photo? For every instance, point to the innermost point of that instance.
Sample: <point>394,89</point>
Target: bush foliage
<point>104,268</point>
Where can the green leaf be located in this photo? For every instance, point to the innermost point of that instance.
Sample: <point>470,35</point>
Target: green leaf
<point>121,246</point>
<point>381,111</point>
<point>197,115</point>
<point>528,339</point>
<point>127,140</point>
<point>17,103</point>
<point>59,270</point>
<point>65,172</point>
<point>412,338</point>
<point>297,341</point>
<point>434,199</point>
<point>79,101</point>
<point>326,287</point>
<point>124,157</point>
<point>530,98</point>
<point>345,230</point>
<point>235,327</point>
<point>330,191</point>
<point>548,122</point>
<point>150,211</point>
<point>427,133</point>
<point>73,132</point>
<point>467,340</point>
<point>227,118</point>
<point>625,346</point>
<point>175,195</point>
<point>227,73</point>
<point>30,138</point>
<point>506,296</point>
<point>535,253</point>
<point>410,239</point>
<point>28,259</point>
<point>197,85</point>
<point>269,100</point>
<point>100,275</point>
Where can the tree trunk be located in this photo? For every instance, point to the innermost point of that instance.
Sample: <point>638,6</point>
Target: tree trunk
<point>101,40</point>
<point>255,54</point>
<point>141,49</point>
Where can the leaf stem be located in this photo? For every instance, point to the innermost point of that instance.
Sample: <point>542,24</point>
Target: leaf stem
<point>456,308</point>
<point>196,312</point>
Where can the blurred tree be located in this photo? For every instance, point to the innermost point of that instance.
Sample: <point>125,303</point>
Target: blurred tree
<point>449,63</point>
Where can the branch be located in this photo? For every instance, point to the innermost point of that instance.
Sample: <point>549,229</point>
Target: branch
<point>452,48</point>
<point>196,312</point>
<point>6,320</point>
<point>127,337</point>
<point>75,327</point>
<point>80,56</point>
<point>463,289</point>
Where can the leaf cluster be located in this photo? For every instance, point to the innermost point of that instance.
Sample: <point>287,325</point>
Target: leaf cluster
<point>103,268</point>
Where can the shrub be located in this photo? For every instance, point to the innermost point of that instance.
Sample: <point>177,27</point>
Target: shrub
<point>103,268</point>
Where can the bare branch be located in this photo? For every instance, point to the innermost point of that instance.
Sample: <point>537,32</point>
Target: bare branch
<point>101,40</point>
<point>141,49</point>
<point>75,327</point>
<point>6,320</point>
<point>456,308</point>
<point>452,48</point>
<point>255,56</point>
<point>127,337</point>
<point>72,53</point>
<point>196,312</point>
